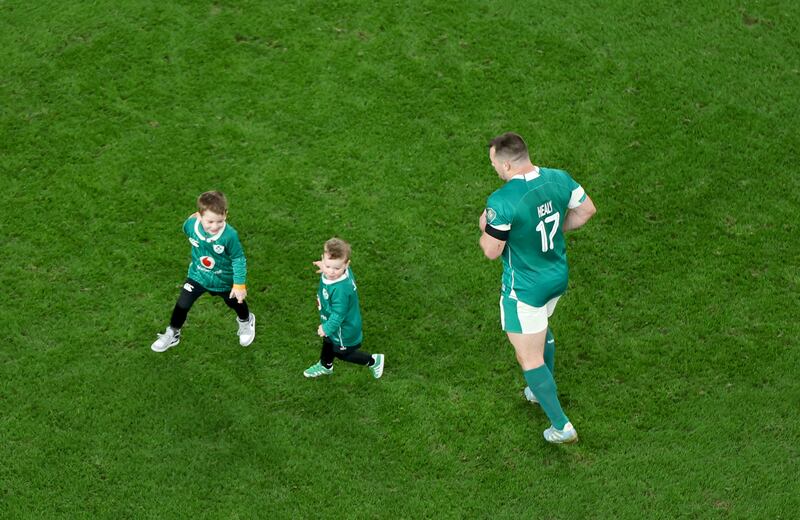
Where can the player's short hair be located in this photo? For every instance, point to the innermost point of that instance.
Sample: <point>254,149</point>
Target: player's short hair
<point>509,147</point>
<point>337,248</point>
<point>214,201</point>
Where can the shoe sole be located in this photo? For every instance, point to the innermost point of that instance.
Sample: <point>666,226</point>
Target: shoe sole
<point>312,376</point>
<point>571,441</point>
<point>567,441</point>
<point>254,334</point>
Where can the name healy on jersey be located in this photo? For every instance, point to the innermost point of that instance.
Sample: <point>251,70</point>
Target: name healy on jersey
<point>545,208</point>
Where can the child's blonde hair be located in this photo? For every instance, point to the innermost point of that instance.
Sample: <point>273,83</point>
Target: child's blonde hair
<point>337,248</point>
<point>214,201</point>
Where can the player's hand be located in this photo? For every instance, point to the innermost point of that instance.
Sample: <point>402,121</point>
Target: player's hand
<point>482,221</point>
<point>320,332</point>
<point>318,265</point>
<point>239,294</point>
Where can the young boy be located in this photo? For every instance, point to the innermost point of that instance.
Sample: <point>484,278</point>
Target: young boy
<point>218,266</point>
<point>339,313</point>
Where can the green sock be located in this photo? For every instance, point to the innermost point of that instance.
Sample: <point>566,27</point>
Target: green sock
<point>550,352</point>
<point>541,383</point>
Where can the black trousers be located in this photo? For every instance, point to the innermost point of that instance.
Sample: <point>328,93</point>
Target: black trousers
<point>191,291</point>
<point>350,354</point>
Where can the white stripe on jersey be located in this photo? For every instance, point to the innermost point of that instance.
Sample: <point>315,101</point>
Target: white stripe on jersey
<point>577,195</point>
<point>197,232</point>
<point>512,293</point>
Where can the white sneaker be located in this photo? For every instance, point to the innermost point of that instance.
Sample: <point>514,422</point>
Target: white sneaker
<point>170,338</point>
<point>247,331</point>
<point>566,436</point>
<point>529,395</point>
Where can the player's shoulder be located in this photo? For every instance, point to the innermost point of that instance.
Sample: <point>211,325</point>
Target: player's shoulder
<point>345,283</point>
<point>504,194</point>
<point>230,229</point>
<point>189,223</point>
<point>230,233</point>
<point>556,175</point>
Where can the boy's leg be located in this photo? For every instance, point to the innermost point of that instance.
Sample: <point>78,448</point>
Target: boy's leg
<point>326,355</point>
<point>357,356</point>
<point>353,355</point>
<point>242,310</point>
<point>172,336</point>
<point>190,292</point>
<point>246,319</point>
<point>323,367</point>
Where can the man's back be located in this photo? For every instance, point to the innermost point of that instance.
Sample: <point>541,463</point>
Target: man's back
<point>532,208</point>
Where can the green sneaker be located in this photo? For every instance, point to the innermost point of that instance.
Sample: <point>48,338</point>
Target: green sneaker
<point>377,367</point>
<point>317,370</point>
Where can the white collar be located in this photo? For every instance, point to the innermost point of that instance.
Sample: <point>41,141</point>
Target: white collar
<point>527,176</point>
<point>344,276</point>
<point>198,228</point>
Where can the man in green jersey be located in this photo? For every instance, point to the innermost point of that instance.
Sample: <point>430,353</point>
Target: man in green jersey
<point>340,314</point>
<point>218,266</point>
<point>524,222</point>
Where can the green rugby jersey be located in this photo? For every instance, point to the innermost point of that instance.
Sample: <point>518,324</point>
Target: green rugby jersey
<point>339,310</point>
<point>528,213</point>
<point>218,261</point>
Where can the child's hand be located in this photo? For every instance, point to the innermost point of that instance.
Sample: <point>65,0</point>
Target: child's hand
<point>318,264</point>
<point>240,293</point>
<point>320,332</point>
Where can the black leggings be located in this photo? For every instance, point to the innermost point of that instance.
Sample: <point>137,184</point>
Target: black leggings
<point>350,354</point>
<point>191,291</point>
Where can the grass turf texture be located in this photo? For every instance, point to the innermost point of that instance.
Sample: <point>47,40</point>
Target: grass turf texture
<point>677,354</point>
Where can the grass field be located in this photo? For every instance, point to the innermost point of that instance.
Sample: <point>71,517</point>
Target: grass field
<point>677,342</point>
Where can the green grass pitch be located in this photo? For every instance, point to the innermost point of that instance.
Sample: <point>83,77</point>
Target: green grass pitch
<point>677,341</point>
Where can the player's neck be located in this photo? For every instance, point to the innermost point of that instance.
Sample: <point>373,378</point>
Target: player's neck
<point>520,169</point>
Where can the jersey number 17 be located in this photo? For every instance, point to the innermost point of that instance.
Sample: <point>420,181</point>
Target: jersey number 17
<point>547,238</point>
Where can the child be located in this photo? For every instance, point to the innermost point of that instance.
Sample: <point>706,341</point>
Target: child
<point>218,266</point>
<point>340,315</point>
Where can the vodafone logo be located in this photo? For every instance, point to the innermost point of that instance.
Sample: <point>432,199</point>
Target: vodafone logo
<point>207,262</point>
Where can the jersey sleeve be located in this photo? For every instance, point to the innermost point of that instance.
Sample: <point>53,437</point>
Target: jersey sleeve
<point>340,303</point>
<point>238,260</point>
<point>577,195</point>
<point>498,218</point>
<point>188,226</point>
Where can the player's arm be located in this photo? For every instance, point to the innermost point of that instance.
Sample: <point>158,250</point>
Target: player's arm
<point>492,241</point>
<point>339,307</point>
<point>579,215</point>
<point>492,247</point>
<point>239,264</point>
